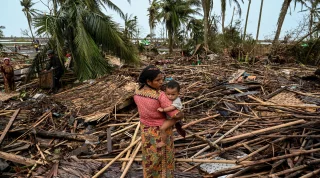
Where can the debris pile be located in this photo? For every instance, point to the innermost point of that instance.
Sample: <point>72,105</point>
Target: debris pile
<point>236,126</point>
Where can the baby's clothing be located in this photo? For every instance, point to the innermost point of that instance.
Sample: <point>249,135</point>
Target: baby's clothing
<point>177,103</point>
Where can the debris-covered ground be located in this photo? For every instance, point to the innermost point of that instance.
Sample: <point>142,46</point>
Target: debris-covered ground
<point>242,121</point>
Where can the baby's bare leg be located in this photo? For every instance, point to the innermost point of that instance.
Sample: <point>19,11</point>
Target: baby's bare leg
<point>166,124</point>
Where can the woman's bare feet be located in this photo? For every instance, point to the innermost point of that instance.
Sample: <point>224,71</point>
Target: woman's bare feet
<point>161,144</point>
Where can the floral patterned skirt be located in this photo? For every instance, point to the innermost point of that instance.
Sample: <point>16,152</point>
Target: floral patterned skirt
<point>157,162</point>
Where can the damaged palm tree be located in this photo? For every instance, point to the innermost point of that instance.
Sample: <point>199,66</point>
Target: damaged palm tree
<point>82,28</point>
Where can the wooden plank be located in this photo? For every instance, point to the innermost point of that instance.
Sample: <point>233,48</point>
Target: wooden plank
<point>109,143</point>
<point>13,117</point>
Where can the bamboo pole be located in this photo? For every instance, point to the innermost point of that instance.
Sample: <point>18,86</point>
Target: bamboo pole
<point>287,171</point>
<point>253,153</point>
<point>261,131</point>
<point>311,174</point>
<point>132,140</point>
<point>13,117</point>
<point>194,160</point>
<point>42,118</point>
<point>282,105</point>
<point>125,171</point>
<point>122,130</point>
<point>199,120</point>
<point>219,139</point>
<point>115,159</point>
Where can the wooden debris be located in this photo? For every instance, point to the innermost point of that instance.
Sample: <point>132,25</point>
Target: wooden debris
<point>263,128</point>
<point>13,117</point>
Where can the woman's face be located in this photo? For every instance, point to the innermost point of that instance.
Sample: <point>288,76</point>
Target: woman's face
<point>157,82</point>
<point>7,62</point>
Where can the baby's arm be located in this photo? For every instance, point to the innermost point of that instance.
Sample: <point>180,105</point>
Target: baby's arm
<point>167,109</point>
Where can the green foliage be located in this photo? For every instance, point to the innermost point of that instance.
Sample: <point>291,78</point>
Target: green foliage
<point>153,14</point>
<point>130,26</point>
<point>84,30</point>
<point>306,53</point>
<point>196,29</point>
<point>29,12</point>
<point>141,47</point>
<point>230,39</point>
<point>174,13</point>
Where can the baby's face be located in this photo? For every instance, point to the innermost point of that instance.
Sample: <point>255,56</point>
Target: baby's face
<point>172,93</point>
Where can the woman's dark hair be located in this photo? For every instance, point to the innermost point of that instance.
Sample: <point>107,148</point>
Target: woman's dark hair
<point>173,84</point>
<point>149,73</point>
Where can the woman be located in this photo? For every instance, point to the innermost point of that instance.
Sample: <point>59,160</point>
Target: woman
<point>8,75</point>
<point>157,162</point>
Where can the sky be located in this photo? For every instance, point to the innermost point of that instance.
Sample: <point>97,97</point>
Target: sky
<point>14,20</point>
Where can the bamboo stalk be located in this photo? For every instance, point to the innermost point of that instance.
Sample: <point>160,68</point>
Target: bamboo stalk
<point>132,140</point>
<point>288,171</point>
<point>122,130</point>
<point>219,139</point>
<point>253,153</point>
<point>199,120</point>
<point>13,117</point>
<point>261,131</point>
<point>116,158</point>
<point>134,154</point>
<point>282,105</point>
<point>42,155</point>
<point>41,119</point>
<point>311,174</point>
<point>194,160</point>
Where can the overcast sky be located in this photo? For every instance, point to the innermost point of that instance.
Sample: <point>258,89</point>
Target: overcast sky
<point>12,17</point>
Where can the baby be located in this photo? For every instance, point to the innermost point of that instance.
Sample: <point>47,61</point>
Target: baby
<point>172,92</point>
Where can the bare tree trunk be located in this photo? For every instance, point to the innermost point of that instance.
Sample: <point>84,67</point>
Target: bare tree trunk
<point>310,24</point>
<point>151,34</point>
<point>258,29</point>
<point>223,14</point>
<point>170,41</point>
<point>245,27</point>
<point>55,7</point>
<point>29,23</point>
<point>206,10</point>
<point>281,18</point>
<point>232,17</point>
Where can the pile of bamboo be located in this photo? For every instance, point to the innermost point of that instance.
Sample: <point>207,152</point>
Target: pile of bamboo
<point>263,128</point>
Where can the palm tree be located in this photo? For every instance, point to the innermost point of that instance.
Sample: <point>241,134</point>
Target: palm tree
<point>223,10</point>
<point>28,12</point>
<point>92,4</point>
<point>207,6</point>
<point>195,27</point>
<point>175,13</point>
<point>245,26</point>
<point>82,28</point>
<point>153,16</point>
<point>314,11</point>
<point>130,26</point>
<point>283,13</point>
<point>258,28</point>
<point>1,32</point>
